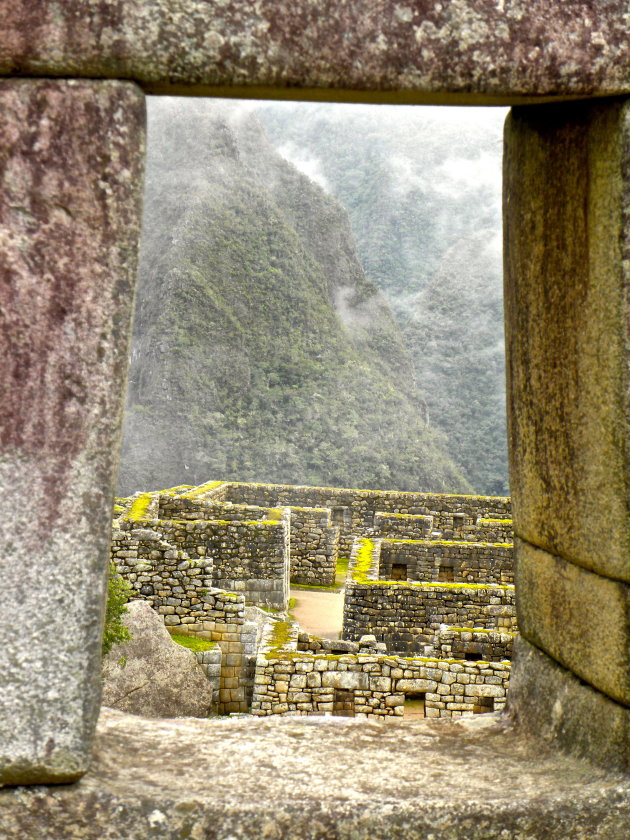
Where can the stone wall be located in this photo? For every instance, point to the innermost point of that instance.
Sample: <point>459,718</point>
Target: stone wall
<point>473,643</point>
<point>314,546</point>
<point>172,583</point>
<point>367,684</point>
<point>406,616</point>
<point>494,530</point>
<point>354,511</point>
<point>439,560</point>
<point>313,543</point>
<point>405,526</point>
<point>251,557</point>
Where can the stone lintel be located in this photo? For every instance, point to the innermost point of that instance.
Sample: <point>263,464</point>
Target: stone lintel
<point>549,703</point>
<point>567,248</point>
<point>580,619</point>
<point>467,52</point>
<point>71,168</point>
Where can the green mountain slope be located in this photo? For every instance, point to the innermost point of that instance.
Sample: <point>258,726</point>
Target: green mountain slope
<point>422,189</point>
<point>261,351</point>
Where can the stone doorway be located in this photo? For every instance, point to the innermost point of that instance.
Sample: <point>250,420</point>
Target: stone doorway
<point>415,705</point>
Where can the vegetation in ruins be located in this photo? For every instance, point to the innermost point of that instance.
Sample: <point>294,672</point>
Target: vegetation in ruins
<point>193,643</point>
<point>118,592</point>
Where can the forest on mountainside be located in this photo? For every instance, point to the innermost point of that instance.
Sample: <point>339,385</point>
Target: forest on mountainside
<point>422,188</point>
<point>261,350</point>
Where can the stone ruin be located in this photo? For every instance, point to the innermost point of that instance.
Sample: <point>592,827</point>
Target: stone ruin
<point>71,161</point>
<point>206,557</point>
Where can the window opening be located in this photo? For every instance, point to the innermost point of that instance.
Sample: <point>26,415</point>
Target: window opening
<point>343,702</point>
<point>415,705</point>
<point>399,571</point>
<point>483,705</point>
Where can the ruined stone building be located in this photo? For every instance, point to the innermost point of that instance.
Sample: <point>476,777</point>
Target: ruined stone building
<point>440,600</point>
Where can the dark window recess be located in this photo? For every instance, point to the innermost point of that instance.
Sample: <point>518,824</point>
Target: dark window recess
<point>338,516</point>
<point>472,657</point>
<point>343,702</point>
<point>459,520</point>
<point>483,705</point>
<point>415,705</point>
<point>446,574</point>
<point>399,571</point>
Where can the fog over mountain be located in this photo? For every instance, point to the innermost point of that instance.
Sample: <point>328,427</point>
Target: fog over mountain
<point>422,187</point>
<point>261,350</point>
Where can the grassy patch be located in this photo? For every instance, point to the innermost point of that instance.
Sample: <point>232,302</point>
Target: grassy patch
<point>140,506</point>
<point>341,570</point>
<point>192,642</point>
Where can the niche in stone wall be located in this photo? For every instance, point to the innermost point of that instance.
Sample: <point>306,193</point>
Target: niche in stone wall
<point>399,571</point>
<point>343,702</point>
<point>415,705</point>
<point>483,705</point>
<point>446,573</point>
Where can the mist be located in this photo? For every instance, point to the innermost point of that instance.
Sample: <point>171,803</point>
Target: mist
<point>319,297</point>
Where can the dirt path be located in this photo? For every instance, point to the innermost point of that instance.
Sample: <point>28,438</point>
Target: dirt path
<point>319,613</point>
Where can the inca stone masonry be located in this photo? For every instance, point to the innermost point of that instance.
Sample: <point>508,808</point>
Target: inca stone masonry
<point>180,549</point>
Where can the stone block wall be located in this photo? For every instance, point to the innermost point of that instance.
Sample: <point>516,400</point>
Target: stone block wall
<point>369,684</point>
<point>404,526</point>
<point>210,662</point>
<point>163,575</point>
<point>473,643</point>
<point>183,507</point>
<point>354,511</point>
<point>406,616</point>
<point>494,530</point>
<point>439,560</point>
<point>314,546</point>
<point>251,557</point>
<point>223,621</point>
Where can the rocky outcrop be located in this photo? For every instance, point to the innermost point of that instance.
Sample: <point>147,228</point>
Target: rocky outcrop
<point>152,675</point>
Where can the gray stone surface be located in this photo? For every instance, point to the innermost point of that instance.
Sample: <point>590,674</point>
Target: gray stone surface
<point>71,163</point>
<point>548,702</point>
<point>158,677</point>
<point>324,779</point>
<point>566,199</point>
<point>463,50</point>
<point>580,619</point>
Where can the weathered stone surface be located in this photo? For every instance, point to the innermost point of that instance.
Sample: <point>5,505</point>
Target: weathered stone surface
<point>71,162</point>
<point>158,678</point>
<point>322,779</point>
<point>345,679</point>
<point>566,199</point>
<point>465,50</point>
<point>580,619</point>
<point>548,702</point>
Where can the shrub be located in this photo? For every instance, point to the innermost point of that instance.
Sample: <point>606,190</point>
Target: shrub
<point>118,591</point>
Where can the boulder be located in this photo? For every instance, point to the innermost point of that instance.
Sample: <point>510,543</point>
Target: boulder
<point>151,674</point>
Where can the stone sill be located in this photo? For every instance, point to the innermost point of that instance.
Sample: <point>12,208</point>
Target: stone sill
<point>322,778</point>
